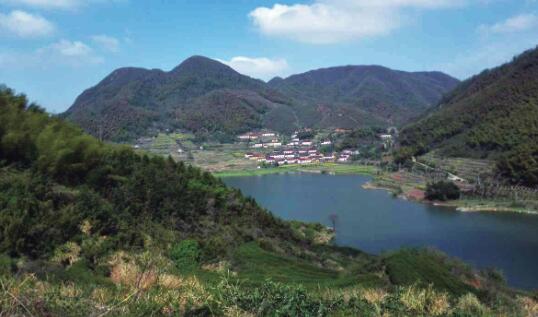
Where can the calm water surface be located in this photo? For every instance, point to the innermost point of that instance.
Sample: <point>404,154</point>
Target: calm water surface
<point>373,221</point>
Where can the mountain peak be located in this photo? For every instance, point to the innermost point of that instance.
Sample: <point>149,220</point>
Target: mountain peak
<point>201,64</point>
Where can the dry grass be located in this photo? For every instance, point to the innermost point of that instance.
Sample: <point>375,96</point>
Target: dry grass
<point>471,304</point>
<point>131,275</point>
<point>425,300</point>
<point>219,267</point>
<point>529,306</point>
<point>374,296</point>
<point>68,253</point>
<point>235,311</point>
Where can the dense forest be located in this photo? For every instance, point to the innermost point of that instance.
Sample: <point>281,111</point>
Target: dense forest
<point>492,115</point>
<point>61,177</point>
<point>93,229</point>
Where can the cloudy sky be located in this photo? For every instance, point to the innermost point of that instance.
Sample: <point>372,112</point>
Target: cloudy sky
<point>54,49</point>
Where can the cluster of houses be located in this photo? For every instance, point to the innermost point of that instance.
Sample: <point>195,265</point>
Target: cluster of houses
<point>261,139</point>
<point>299,156</point>
<point>296,151</point>
<point>290,156</point>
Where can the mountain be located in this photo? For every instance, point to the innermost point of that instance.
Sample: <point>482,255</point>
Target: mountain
<point>491,115</point>
<point>200,94</point>
<point>208,97</point>
<point>93,229</point>
<point>365,93</point>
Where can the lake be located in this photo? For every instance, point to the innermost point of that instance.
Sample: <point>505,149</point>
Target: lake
<point>374,221</point>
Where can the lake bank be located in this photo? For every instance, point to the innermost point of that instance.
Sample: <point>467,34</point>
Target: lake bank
<point>407,187</point>
<point>322,168</point>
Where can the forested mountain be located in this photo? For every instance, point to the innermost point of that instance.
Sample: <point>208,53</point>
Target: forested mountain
<point>92,229</point>
<point>200,94</point>
<point>366,92</point>
<point>206,96</point>
<point>492,115</point>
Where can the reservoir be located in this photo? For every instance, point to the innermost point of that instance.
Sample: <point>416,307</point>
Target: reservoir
<point>375,222</point>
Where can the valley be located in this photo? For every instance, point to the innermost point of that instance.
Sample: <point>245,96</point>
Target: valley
<point>200,191</point>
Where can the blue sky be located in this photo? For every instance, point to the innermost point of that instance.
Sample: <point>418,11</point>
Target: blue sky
<point>54,49</point>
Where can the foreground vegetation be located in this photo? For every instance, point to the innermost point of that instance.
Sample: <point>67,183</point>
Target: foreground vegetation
<point>90,229</point>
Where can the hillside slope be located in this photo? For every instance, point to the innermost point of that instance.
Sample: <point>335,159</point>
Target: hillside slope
<point>208,97</point>
<point>91,229</point>
<point>492,115</point>
<point>380,93</point>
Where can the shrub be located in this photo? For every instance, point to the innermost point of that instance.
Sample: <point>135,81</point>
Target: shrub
<point>7,265</point>
<point>469,305</point>
<point>186,254</point>
<point>270,299</point>
<point>442,191</point>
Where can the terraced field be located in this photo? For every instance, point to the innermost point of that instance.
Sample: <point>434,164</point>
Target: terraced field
<point>468,169</point>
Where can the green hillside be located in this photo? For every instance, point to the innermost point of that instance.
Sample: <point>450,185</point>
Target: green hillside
<point>366,93</point>
<point>210,98</point>
<point>492,115</point>
<point>92,229</point>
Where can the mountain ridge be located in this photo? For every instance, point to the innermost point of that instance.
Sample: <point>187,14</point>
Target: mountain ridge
<point>131,101</point>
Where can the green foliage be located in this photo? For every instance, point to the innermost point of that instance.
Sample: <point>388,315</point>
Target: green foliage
<point>62,178</point>
<point>442,191</point>
<point>272,299</point>
<point>7,265</point>
<point>408,266</point>
<point>520,165</point>
<point>257,264</point>
<point>492,115</point>
<point>186,254</point>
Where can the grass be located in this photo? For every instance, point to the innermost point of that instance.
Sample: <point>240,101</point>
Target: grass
<point>407,267</point>
<point>267,284</point>
<point>329,168</point>
<point>256,265</point>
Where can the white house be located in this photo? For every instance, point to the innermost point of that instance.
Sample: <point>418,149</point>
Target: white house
<point>343,158</point>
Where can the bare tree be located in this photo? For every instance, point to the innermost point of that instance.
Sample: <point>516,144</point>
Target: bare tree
<point>334,218</point>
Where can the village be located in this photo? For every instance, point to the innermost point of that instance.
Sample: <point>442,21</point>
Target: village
<point>270,149</point>
<point>265,148</point>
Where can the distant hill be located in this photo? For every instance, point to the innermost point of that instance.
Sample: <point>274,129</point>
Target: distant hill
<point>492,115</point>
<point>206,96</point>
<point>366,92</point>
<point>200,94</point>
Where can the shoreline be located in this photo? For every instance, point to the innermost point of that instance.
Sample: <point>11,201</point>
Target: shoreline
<point>457,205</point>
<point>324,168</point>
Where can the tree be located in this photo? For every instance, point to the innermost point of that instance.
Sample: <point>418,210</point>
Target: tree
<point>443,191</point>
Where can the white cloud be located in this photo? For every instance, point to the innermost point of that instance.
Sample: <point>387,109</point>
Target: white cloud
<point>106,42</point>
<point>260,67</point>
<point>24,24</point>
<point>519,23</point>
<point>72,53</point>
<point>332,21</point>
